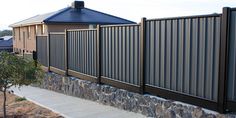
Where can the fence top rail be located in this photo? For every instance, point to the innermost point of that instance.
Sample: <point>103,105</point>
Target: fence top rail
<point>56,32</point>
<point>120,25</point>
<point>233,9</point>
<point>41,35</point>
<point>81,30</point>
<point>185,17</point>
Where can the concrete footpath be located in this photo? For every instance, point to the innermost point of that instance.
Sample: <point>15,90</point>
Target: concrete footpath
<point>71,107</point>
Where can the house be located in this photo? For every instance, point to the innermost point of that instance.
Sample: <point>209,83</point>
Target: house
<point>74,17</point>
<point>6,43</point>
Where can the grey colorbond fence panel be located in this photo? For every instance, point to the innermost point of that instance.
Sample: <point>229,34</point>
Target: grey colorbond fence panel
<point>57,51</point>
<point>120,53</point>
<point>41,42</point>
<point>182,55</point>
<point>82,51</point>
<point>232,59</point>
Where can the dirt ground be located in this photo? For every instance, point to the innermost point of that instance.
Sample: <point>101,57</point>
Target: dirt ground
<point>21,108</point>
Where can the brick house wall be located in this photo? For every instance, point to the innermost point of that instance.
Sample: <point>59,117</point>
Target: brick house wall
<point>24,37</point>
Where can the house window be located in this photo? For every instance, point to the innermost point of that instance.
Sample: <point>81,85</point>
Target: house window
<point>23,35</point>
<point>43,29</point>
<point>19,34</point>
<point>14,34</point>
<point>36,29</point>
<point>29,32</point>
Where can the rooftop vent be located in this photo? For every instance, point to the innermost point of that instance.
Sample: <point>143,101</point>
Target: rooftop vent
<point>78,4</point>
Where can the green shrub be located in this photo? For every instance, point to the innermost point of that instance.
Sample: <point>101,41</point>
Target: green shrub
<point>19,99</point>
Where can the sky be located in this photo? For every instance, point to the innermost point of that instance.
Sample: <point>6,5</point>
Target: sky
<point>12,11</point>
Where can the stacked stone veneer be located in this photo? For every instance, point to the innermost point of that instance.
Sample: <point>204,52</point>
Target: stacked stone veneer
<point>148,105</point>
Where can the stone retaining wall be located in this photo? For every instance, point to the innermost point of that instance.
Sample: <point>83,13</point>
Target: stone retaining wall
<point>148,105</point>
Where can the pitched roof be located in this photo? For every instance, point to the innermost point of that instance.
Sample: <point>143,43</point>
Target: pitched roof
<point>72,15</point>
<point>6,41</point>
<point>86,16</point>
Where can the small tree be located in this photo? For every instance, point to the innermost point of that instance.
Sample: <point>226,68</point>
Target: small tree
<point>16,71</point>
<point>5,33</point>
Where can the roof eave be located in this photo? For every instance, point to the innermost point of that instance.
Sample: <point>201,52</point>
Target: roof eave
<point>28,24</point>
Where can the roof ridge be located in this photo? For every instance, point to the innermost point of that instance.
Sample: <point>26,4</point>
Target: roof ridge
<point>110,15</point>
<point>56,14</point>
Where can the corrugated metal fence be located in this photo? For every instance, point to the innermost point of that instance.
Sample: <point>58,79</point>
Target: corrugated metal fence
<point>42,47</point>
<point>182,54</point>
<point>232,59</point>
<point>82,52</point>
<point>182,58</point>
<point>120,55</point>
<point>57,50</point>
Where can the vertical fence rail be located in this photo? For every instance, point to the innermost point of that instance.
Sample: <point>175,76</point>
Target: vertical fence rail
<point>48,52</point>
<point>223,60</point>
<point>142,54</point>
<point>231,65</point>
<point>66,53</point>
<point>98,54</point>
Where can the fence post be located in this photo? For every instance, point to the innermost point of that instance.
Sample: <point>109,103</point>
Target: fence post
<point>98,55</point>
<point>223,62</point>
<point>36,52</point>
<point>142,54</point>
<point>48,50</point>
<point>66,53</point>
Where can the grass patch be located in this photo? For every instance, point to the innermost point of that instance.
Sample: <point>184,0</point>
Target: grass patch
<point>19,99</point>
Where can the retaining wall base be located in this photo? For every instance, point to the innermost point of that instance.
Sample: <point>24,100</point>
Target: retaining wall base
<point>147,105</point>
